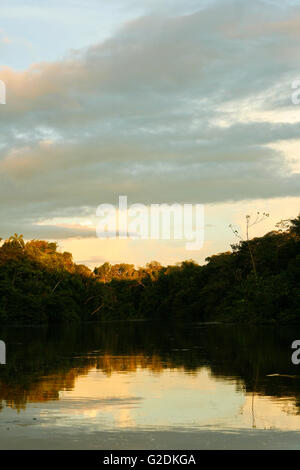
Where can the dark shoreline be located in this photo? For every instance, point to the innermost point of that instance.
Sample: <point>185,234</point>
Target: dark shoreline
<point>40,285</point>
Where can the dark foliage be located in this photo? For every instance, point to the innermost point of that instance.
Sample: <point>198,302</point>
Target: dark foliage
<point>38,284</point>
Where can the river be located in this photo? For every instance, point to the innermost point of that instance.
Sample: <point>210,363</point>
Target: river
<point>144,385</point>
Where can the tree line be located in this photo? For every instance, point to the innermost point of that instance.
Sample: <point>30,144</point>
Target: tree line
<point>257,281</point>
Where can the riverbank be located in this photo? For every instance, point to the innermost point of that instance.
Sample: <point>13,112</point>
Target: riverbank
<point>39,284</point>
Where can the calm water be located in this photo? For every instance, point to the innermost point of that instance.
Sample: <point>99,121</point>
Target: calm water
<point>147,385</point>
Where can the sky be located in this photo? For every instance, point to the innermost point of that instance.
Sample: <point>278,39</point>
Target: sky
<point>165,102</point>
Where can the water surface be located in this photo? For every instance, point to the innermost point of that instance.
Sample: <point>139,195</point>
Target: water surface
<point>149,385</point>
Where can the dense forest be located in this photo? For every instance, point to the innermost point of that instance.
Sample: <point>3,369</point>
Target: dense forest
<point>257,281</point>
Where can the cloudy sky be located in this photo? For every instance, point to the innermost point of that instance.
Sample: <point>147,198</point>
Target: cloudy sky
<point>163,101</point>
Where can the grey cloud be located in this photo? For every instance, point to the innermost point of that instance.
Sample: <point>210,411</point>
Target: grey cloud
<point>32,231</point>
<point>134,115</point>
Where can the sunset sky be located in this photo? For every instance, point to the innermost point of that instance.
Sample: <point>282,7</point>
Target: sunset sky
<point>163,101</point>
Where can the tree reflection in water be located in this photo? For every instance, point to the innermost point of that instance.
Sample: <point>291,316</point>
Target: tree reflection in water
<point>42,362</point>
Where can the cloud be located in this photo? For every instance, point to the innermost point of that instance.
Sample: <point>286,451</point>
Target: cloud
<point>154,112</point>
<point>217,235</point>
<point>49,232</point>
